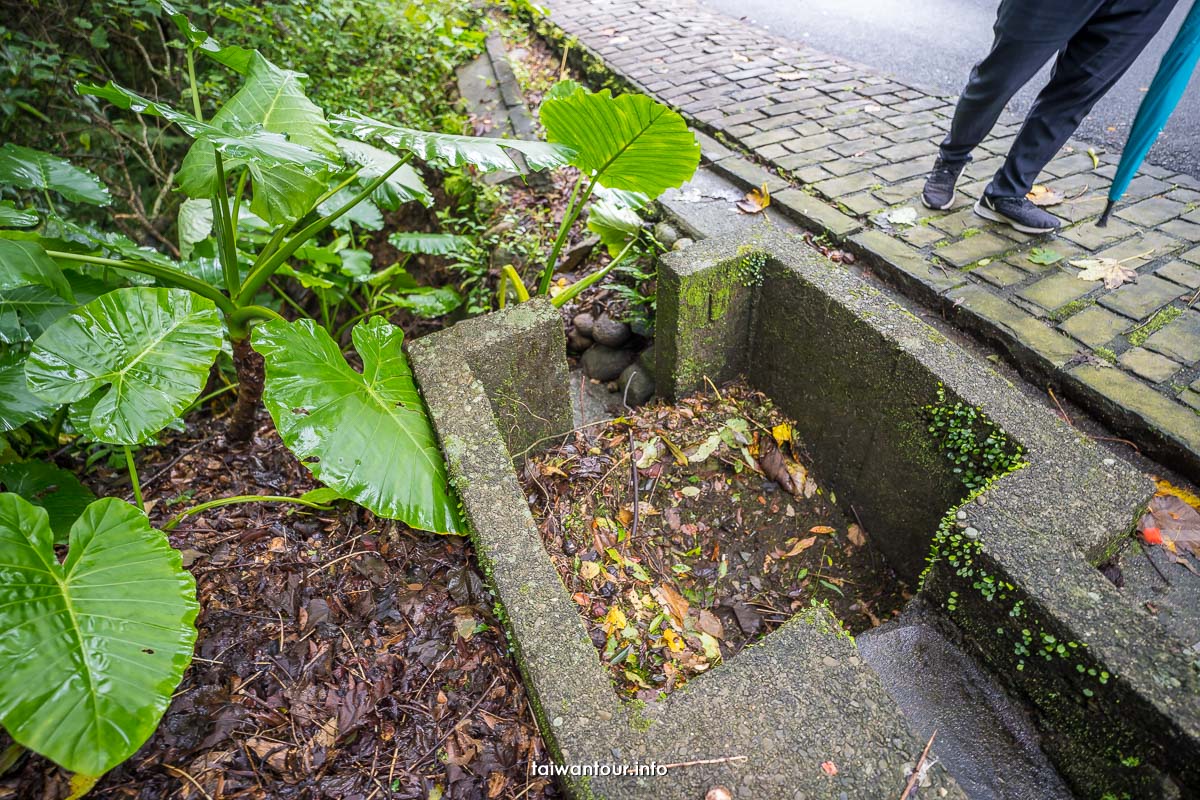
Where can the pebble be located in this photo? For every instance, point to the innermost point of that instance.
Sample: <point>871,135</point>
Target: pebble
<point>961,514</point>
<point>583,323</point>
<point>682,244</point>
<point>610,332</point>
<point>971,533</point>
<point>604,363</point>
<point>635,384</point>
<point>578,342</point>
<point>665,234</point>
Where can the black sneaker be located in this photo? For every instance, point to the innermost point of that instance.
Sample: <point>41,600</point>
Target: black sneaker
<point>938,193</point>
<point>1018,213</point>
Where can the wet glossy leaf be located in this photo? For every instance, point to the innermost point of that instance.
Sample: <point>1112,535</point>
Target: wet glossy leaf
<point>400,187</point>
<point>366,433</point>
<point>443,149</point>
<point>13,217</point>
<point>17,404</point>
<point>1044,256</point>
<point>111,627</point>
<point>130,361</point>
<point>26,168</point>
<point>614,222</point>
<point>437,244</point>
<point>629,142</point>
<point>52,488</point>
<point>25,263</point>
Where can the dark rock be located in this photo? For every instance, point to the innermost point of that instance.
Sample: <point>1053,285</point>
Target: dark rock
<point>577,254</point>
<point>636,385</point>
<point>642,327</point>
<point>583,323</point>
<point>578,342</point>
<point>611,332</point>
<point>665,234</point>
<point>605,363</point>
<point>646,359</point>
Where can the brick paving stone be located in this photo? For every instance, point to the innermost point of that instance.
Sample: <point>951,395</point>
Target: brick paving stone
<point>1095,326</point>
<point>1148,365</point>
<point>1183,274</point>
<point>1152,212</point>
<point>1178,339</point>
<point>1138,250</point>
<point>973,249</point>
<point>1093,238</point>
<point>868,141</point>
<point>903,170</point>
<point>1055,291</point>
<point>1141,299</point>
<point>837,187</point>
<point>922,235</point>
<point>1000,274</point>
<point>862,203</point>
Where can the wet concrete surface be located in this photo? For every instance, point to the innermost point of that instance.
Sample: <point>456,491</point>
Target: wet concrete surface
<point>985,739</point>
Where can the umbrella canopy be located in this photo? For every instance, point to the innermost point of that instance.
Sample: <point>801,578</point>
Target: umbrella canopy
<point>1174,71</point>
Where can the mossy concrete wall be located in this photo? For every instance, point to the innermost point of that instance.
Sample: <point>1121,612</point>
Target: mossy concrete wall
<point>856,370</point>
<point>762,725</point>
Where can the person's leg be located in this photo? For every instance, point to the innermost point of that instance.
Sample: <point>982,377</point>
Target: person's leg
<point>1012,61</point>
<point>993,82</point>
<point>1094,59</point>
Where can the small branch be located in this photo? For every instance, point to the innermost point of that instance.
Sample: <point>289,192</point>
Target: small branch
<point>916,773</point>
<point>704,761</point>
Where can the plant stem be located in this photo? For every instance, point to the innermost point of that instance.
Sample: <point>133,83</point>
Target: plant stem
<point>133,478</point>
<point>239,321</point>
<point>518,284</point>
<point>262,272</point>
<point>226,238</point>
<point>179,279</point>
<point>191,66</point>
<point>572,291</point>
<point>242,498</point>
<point>570,214</point>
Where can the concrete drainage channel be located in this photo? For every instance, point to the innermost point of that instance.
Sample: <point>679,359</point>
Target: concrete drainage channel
<point>1111,696</point>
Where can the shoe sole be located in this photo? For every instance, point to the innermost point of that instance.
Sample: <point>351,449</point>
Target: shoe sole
<point>995,216</point>
<point>932,207</point>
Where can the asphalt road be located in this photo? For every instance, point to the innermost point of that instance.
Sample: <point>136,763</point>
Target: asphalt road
<point>932,44</point>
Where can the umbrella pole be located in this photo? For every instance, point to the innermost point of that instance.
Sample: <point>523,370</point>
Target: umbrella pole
<point>1103,221</point>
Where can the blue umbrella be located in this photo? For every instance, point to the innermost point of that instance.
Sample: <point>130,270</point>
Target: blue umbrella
<point>1174,71</point>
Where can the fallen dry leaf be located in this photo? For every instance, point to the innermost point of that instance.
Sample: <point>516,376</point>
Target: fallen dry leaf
<point>755,201</point>
<point>822,529</point>
<point>830,768</point>
<point>856,536</point>
<point>672,601</point>
<point>1113,272</point>
<point>1170,521</point>
<point>710,624</point>
<point>1044,196</point>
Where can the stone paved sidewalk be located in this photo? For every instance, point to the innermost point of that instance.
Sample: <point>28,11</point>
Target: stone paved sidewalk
<point>847,147</point>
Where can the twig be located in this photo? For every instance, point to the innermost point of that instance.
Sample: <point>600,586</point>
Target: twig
<point>462,719</point>
<point>916,773</point>
<point>703,761</point>
<point>1061,410</point>
<point>636,500</point>
<point>188,778</point>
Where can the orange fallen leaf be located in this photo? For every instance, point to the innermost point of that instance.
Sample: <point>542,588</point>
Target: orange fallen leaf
<point>1152,536</point>
<point>830,768</point>
<point>822,529</point>
<point>755,201</point>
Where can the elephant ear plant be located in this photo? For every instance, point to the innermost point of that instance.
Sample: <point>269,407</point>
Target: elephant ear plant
<point>118,341</point>
<point>628,150</point>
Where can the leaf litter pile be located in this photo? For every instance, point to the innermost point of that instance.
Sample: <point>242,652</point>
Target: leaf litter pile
<point>686,532</point>
<point>340,656</point>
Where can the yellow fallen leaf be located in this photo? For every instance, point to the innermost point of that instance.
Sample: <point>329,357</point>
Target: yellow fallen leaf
<point>782,433</point>
<point>614,621</point>
<point>674,641</point>
<point>1165,488</point>
<point>822,529</point>
<point>680,457</point>
<point>755,201</point>
<point>589,570</point>
<point>801,545</point>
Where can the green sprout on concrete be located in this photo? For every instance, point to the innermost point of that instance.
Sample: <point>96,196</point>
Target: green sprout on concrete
<point>1143,332</point>
<point>974,445</point>
<point>750,266</point>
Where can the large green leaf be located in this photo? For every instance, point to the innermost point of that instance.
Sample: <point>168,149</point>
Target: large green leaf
<point>92,648</point>
<point>26,168</point>
<point>55,489</point>
<point>24,263</point>
<point>272,100</point>
<point>614,222</point>
<point>400,187</point>
<point>236,58</point>
<point>426,301</point>
<point>130,361</point>
<point>444,149</point>
<point>365,434</point>
<point>194,223</point>
<point>434,244</point>
<point>239,144</point>
<point>628,142</point>
<point>27,311</point>
<point>17,404</point>
<point>13,217</point>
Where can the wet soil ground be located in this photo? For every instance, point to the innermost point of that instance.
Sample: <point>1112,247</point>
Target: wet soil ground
<point>685,532</point>
<point>339,656</point>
